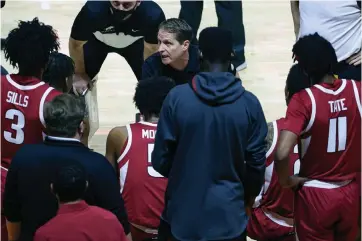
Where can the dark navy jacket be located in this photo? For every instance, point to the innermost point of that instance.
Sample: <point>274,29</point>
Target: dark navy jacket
<point>210,143</point>
<point>28,198</point>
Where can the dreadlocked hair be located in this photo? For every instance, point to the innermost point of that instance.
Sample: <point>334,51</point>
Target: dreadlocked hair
<point>316,56</point>
<point>59,68</point>
<point>297,80</point>
<point>28,46</point>
<point>150,94</point>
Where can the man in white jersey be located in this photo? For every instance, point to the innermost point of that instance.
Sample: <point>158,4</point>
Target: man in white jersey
<point>339,22</point>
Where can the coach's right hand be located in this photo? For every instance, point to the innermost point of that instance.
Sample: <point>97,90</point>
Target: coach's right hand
<point>81,83</point>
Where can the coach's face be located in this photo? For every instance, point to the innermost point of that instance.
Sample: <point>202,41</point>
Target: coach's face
<point>170,49</point>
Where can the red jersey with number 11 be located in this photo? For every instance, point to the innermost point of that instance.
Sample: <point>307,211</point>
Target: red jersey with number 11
<point>143,188</point>
<point>327,117</point>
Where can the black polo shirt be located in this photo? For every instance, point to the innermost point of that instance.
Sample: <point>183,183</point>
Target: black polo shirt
<point>153,66</point>
<point>28,198</point>
<point>96,19</point>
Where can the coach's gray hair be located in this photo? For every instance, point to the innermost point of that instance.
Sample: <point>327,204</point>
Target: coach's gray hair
<point>64,114</point>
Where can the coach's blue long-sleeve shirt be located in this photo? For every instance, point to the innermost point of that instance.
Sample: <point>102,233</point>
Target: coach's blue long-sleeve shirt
<point>210,143</point>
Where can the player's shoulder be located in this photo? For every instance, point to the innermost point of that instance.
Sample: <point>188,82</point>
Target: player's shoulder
<point>103,212</point>
<point>96,8</point>
<point>251,99</point>
<point>118,132</point>
<point>151,11</point>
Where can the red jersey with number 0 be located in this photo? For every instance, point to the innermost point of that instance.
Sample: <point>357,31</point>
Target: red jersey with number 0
<point>327,117</point>
<point>22,121</point>
<point>273,197</point>
<point>143,189</point>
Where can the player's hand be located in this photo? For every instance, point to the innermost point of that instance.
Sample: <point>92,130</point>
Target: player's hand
<point>296,182</point>
<point>81,83</point>
<point>354,59</point>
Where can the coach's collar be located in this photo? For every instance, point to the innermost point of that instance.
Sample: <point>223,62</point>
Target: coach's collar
<point>193,66</point>
<point>56,138</point>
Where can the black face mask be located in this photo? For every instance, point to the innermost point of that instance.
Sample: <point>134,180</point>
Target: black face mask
<point>120,15</point>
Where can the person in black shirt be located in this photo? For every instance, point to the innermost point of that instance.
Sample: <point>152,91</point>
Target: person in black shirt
<point>28,201</point>
<point>128,28</point>
<point>176,57</point>
<point>230,17</point>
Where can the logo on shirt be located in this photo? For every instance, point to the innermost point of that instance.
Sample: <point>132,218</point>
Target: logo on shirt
<point>109,29</point>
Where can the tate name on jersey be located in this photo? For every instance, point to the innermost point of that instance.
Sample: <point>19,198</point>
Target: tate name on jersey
<point>17,99</point>
<point>337,105</point>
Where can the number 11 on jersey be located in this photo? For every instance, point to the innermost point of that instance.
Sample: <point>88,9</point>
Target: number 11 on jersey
<point>337,125</point>
<point>151,171</point>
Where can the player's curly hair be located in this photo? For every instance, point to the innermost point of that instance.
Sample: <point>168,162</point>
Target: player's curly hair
<point>150,94</point>
<point>297,80</point>
<point>59,68</point>
<point>316,56</point>
<point>28,46</point>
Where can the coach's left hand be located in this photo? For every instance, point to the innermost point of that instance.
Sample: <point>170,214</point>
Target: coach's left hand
<point>81,83</point>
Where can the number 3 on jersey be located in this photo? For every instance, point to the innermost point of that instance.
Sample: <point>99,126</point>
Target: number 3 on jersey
<point>17,127</point>
<point>152,172</point>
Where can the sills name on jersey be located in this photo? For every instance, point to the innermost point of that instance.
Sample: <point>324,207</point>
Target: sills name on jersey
<point>148,134</point>
<point>337,105</point>
<point>17,99</point>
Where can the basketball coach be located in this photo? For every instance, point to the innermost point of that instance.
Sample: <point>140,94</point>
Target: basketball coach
<point>28,200</point>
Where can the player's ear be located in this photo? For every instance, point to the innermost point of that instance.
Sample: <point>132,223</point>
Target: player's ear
<point>81,127</point>
<point>51,187</point>
<point>186,45</point>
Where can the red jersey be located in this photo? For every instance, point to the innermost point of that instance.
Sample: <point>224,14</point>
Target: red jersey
<point>273,197</point>
<point>327,119</point>
<point>22,120</point>
<point>143,189</point>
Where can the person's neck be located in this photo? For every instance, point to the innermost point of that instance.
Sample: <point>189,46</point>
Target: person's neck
<point>151,119</point>
<point>182,62</point>
<point>216,67</point>
<point>328,79</point>
<point>71,202</point>
<point>36,75</point>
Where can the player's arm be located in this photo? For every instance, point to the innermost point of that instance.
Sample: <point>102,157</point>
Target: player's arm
<point>294,5</point>
<point>151,41</point>
<point>12,201</point>
<point>165,141</point>
<point>255,154</point>
<point>116,141</point>
<point>80,33</point>
<point>296,119</point>
<point>270,136</point>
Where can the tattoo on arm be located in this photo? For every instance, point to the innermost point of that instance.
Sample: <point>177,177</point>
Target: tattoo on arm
<point>269,138</point>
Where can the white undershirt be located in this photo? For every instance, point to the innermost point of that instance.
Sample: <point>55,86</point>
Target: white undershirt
<point>338,21</point>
